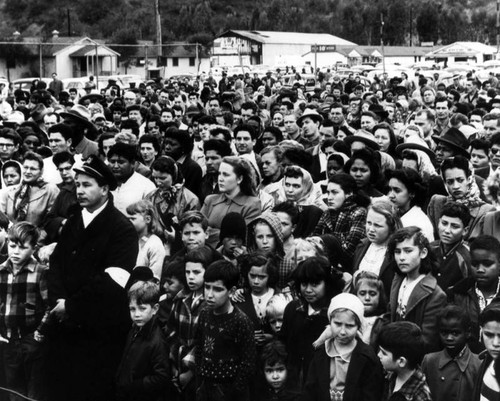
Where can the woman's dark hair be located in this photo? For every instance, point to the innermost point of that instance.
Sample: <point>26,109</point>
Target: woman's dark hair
<point>275,131</point>
<point>349,186</point>
<point>165,164</point>
<point>394,142</point>
<point>369,158</point>
<point>150,139</point>
<point>458,162</point>
<point>241,168</point>
<point>183,137</point>
<point>413,183</point>
<point>100,141</point>
<point>428,264</point>
<point>257,259</point>
<point>314,270</point>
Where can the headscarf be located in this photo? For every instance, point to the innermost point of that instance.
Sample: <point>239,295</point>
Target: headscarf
<point>472,197</point>
<point>311,194</point>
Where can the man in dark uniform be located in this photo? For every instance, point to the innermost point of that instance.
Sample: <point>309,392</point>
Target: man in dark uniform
<point>90,309</point>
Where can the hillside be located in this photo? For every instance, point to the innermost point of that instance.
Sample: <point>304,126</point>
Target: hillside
<point>125,21</point>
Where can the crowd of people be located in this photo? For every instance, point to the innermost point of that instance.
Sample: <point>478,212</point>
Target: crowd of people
<point>244,240</point>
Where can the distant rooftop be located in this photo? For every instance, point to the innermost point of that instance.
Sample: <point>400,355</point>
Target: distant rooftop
<point>272,37</point>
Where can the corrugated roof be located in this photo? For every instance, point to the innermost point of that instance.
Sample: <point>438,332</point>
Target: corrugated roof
<point>273,37</point>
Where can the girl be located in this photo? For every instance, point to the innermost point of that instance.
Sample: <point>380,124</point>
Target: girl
<point>415,295</point>
<point>305,318</point>
<point>372,253</point>
<point>265,234</point>
<point>408,193</point>
<point>364,168</point>
<point>348,369</point>
<point>145,219</point>
<point>370,290</point>
<point>260,276</point>
<point>347,213</point>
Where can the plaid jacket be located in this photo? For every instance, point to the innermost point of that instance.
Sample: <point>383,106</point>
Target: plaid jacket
<point>347,224</point>
<point>182,326</point>
<point>23,298</point>
<point>414,389</point>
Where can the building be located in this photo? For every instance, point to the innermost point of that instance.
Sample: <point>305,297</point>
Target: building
<point>236,47</point>
<point>400,55</point>
<point>463,52</point>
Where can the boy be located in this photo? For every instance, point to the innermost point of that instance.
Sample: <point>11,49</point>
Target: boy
<point>453,258</point>
<point>452,372</point>
<point>474,293</point>
<point>143,370</point>
<point>487,385</point>
<point>24,313</point>
<point>174,285</point>
<point>225,352</point>
<point>400,351</point>
<point>183,321</point>
<point>276,388</point>
<point>232,236</point>
<point>288,215</point>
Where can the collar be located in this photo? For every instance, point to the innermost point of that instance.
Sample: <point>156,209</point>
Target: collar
<point>7,266</point>
<point>462,359</point>
<point>408,388</point>
<point>82,145</point>
<point>89,216</point>
<point>239,199</point>
<point>181,159</point>
<point>452,250</point>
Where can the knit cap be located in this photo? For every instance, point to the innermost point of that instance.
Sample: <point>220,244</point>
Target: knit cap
<point>347,301</point>
<point>233,225</point>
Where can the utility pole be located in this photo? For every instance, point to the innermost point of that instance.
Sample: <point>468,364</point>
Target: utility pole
<point>411,25</point>
<point>69,22</point>
<point>158,27</point>
<point>382,40</point>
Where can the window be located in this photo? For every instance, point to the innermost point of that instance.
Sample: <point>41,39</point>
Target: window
<point>175,62</point>
<point>192,61</point>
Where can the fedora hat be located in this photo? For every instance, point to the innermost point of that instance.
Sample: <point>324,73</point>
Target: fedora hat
<point>454,139</point>
<point>312,114</point>
<point>415,143</point>
<point>94,167</point>
<point>364,136</point>
<point>78,113</point>
<point>379,111</point>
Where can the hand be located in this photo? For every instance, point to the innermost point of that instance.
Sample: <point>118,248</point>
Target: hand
<point>3,340</point>
<point>59,310</point>
<point>261,337</point>
<point>46,251</point>
<point>238,295</point>
<point>238,251</point>
<point>185,378</point>
<point>39,337</point>
<point>317,344</point>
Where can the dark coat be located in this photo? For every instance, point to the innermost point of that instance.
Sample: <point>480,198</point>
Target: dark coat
<point>424,304</point>
<point>364,380</point>
<point>479,382</point>
<point>386,270</point>
<point>64,205</point>
<point>87,345</point>
<point>192,173</point>
<point>143,370</point>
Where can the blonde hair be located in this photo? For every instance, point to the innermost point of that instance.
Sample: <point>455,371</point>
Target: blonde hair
<point>146,208</point>
<point>277,304</point>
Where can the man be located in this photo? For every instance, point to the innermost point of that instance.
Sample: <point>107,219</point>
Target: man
<point>368,120</point>
<point>471,94</point>
<point>90,310</point>
<point>245,138</point>
<point>132,186</point>
<point>60,140</point>
<point>442,115</point>
<point>354,115</point>
<point>215,150</point>
<point>179,146</point>
<point>491,125</point>
<point>129,98</point>
<point>425,120</point>
<point>309,122</point>
<point>248,109</point>
<point>167,116</point>
<point>78,118</point>
<point>214,107</point>
<point>495,152</point>
<point>9,144</point>
<point>56,86</point>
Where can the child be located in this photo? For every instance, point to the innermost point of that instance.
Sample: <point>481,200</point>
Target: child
<point>487,385</point>
<point>288,215</point>
<point>260,276</point>
<point>225,353</point>
<point>4,227</point>
<point>232,236</point>
<point>401,349</point>
<point>143,370</point>
<point>370,290</point>
<point>144,217</point>
<point>474,293</point>
<point>276,387</point>
<point>175,283</point>
<point>452,254</point>
<point>306,317</point>
<point>415,295</point>
<point>275,309</point>
<point>346,369</point>
<point>183,322</point>
<point>266,235</point>
<point>452,372</point>
<point>24,313</point>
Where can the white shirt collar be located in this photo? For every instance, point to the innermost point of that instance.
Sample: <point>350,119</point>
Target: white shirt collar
<point>89,216</point>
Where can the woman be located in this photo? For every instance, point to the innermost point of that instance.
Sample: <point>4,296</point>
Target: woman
<point>171,198</point>
<point>11,173</point>
<point>489,224</point>
<point>149,147</point>
<point>277,119</point>
<point>365,170</point>
<point>408,193</point>
<point>386,139</point>
<point>346,214</point>
<point>272,170</point>
<point>372,254</point>
<point>271,136</point>
<point>237,194</point>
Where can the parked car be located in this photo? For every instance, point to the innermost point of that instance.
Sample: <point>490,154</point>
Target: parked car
<point>25,83</point>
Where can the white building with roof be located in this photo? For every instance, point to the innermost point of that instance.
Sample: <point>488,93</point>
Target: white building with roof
<point>460,52</point>
<point>236,47</point>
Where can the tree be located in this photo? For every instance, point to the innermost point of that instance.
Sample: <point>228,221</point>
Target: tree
<point>427,23</point>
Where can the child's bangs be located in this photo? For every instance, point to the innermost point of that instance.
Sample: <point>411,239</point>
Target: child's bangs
<point>310,272</point>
